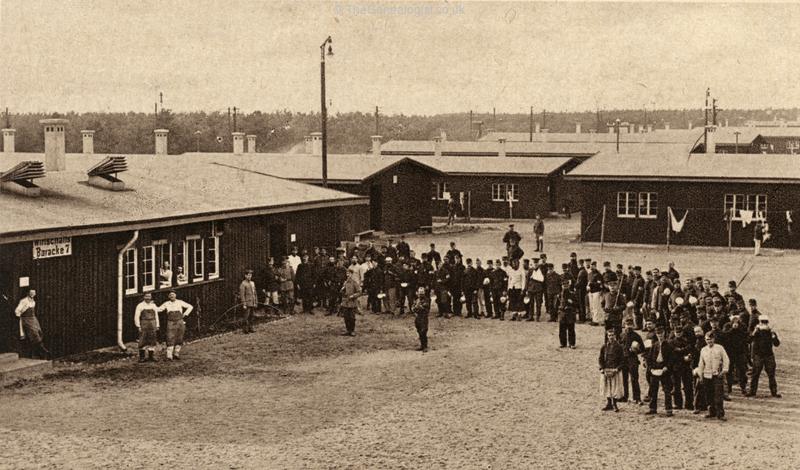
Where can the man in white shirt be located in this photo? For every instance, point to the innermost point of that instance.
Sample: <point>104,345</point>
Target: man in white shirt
<point>516,283</point>
<point>176,310</point>
<point>146,320</point>
<point>165,276</point>
<point>711,369</point>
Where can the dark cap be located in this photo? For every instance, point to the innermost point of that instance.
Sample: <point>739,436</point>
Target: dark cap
<point>637,268</point>
<point>573,255</point>
<point>606,263</point>
<point>564,265</point>
<point>732,284</point>
<point>612,277</point>
<point>714,285</point>
<point>619,266</point>
<point>752,302</point>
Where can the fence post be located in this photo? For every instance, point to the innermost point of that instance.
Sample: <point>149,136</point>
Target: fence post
<point>730,229</point>
<point>669,225</point>
<point>603,228</point>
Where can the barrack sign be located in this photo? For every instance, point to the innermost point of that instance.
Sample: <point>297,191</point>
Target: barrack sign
<point>52,247</point>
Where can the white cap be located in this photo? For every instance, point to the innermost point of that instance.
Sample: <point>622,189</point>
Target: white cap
<point>692,299</point>
<point>679,301</point>
<point>763,317</point>
<point>629,304</point>
<point>667,291</point>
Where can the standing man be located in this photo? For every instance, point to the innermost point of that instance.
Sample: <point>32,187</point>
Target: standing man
<point>538,233</point>
<point>247,294</point>
<point>614,304</point>
<point>294,261</point>
<point>486,282</point>
<point>403,249</point>
<point>637,296</point>
<point>567,305</point>
<point>451,210</point>
<point>304,280</point>
<point>552,290</point>
<point>350,292</point>
<point>658,359</point>
<point>176,310</point>
<point>450,257</point>
<point>758,237</point>
<point>632,345</point>
<point>421,309</point>
<point>146,320</point>
<point>711,368</point>
<point>29,324</point>
<point>516,284</point>
<point>434,257</point>
<point>271,284</point>
<point>285,277</point>
<point>511,239</point>
<point>595,295</point>
<point>763,339</point>
<point>581,285</point>
<point>498,284</point>
<point>471,285</point>
<point>536,288</point>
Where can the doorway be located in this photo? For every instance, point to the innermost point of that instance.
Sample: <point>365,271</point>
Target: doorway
<point>8,320</point>
<point>278,241</point>
<point>375,207</point>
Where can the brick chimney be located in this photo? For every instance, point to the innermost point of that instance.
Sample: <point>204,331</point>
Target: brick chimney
<point>666,126</point>
<point>690,125</point>
<point>501,152</point>
<point>376,145</point>
<point>649,128</point>
<point>251,143</point>
<point>537,128</point>
<point>544,134</point>
<point>54,145</point>
<point>611,128</point>
<point>437,146</point>
<point>307,147</point>
<point>88,141</point>
<point>592,135</point>
<point>238,142</point>
<point>316,144</point>
<point>161,141</point>
<point>577,128</point>
<point>711,139</point>
<point>8,140</point>
<point>443,134</point>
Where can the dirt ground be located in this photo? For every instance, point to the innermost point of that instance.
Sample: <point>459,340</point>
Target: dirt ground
<point>489,394</point>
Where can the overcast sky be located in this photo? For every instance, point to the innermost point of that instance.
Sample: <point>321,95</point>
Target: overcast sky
<point>411,58</point>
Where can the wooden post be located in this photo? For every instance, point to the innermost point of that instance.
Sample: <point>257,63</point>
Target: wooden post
<point>669,225</point>
<point>730,228</point>
<point>603,228</point>
<point>469,206</point>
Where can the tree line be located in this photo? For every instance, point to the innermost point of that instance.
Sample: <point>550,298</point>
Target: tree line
<point>280,131</point>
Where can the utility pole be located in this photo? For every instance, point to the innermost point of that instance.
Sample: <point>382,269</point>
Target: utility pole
<point>377,121</point>
<point>234,119</point>
<point>544,119</point>
<point>531,126</point>
<point>494,119</point>
<point>470,125</point>
<point>705,129</point>
<point>616,129</point>
<point>597,125</point>
<point>8,120</point>
<point>714,111</point>
<point>229,121</point>
<point>155,114</point>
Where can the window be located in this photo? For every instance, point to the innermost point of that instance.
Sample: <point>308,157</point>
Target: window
<point>439,191</point>
<point>792,146</point>
<point>746,202</point>
<point>196,248</point>
<point>213,257</point>
<point>148,268</point>
<point>129,271</point>
<point>648,205</point>
<point>505,192</point>
<point>626,205</point>
<point>181,260</point>
<point>164,263</point>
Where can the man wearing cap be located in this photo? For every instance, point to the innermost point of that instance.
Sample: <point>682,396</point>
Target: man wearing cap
<point>486,288</point>
<point>659,359</point>
<point>734,299</point>
<point>574,265</point>
<point>391,283</point>
<point>736,343</point>
<point>176,310</point>
<point>595,295</point>
<point>632,346</point>
<point>698,343</point>
<point>402,247</point>
<point>421,308</point>
<point>754,315</point>
<point>452,253</point>
<point>538,233</point>
<point>536,287</point>
<point>456,286</point>
<point>711,368</point>
<point>552,283</point>
<point>247,294</point>
<point>511,239</point>
<point>763,339</point>
<point>442,280</point>
<point>672,273</point>
<point>614,304</point>
<point>516,284</point>
<point>499,283</point>
<point>434,257</point>
<point>471,284</point>
<point>567,305</point>
<point>350,292</point>
<point>681,370</point>
<point>581,285</point>
<point>407,287</point>
<point>637,296</point>
<point>145,318</point>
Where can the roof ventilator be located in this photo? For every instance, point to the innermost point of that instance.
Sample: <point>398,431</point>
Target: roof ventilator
<point>19,179</point>
<point>104,174</point>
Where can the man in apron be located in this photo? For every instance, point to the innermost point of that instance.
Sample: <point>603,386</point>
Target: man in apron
<point>146,320</point>
<point>29,325</point>
<point>176,310</point>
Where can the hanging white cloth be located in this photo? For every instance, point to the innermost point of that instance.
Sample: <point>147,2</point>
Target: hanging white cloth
<point>789,221</point>
<point>677,225</point>
<point>746,216</point>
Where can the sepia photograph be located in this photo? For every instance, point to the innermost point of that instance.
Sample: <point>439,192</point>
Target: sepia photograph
<point>389,234</point>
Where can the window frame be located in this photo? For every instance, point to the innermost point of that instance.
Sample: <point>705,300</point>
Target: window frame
<point>192,242</point>
<point>146,287</point>
<point>627,214</point>
<point>440,189</point>
<point>651,211</point>
<point>743,202</point>
<point>127,274</point>
<point>213,247</point>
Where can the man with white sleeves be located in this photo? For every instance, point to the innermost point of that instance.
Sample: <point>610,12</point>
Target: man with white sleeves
<point>146,320</point>
<point>713,364</point>
<point>176,310</point>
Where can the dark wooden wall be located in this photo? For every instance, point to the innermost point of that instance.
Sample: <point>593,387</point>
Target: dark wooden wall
<point>705,223</point>
<point>77,294</point>
<point>533,197</point>
<point>405,205</point>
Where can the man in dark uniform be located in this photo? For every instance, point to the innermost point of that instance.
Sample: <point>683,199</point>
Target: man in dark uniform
<point>681,370</point>
<point>763,339</point>
<point>434,257</point>
<point>499,283</point>
<point>425,273</point>
<point>632,345</point>
<point>304,277</point>
<point>614,303</point>
<point>567,304</point>
<point>421,308</point>
<point>249,299</point>
<point>511,239</point>
<point>574,265</point>
<point>442,280</point>
<point>552,288</point>
<point>408,287</point>
<point>450,257</point>
<point>637,296</point>
<point>734,300</point>
<point>373,282</point>
<point>471,283</point>
<point>486,282</point>
<point>736,342</point>
<point>349,294</point>
<point>659,358</point>
<point>538,233</point>
<point>456,286</point>
<point>536,287</point>
<point>402,247</point>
